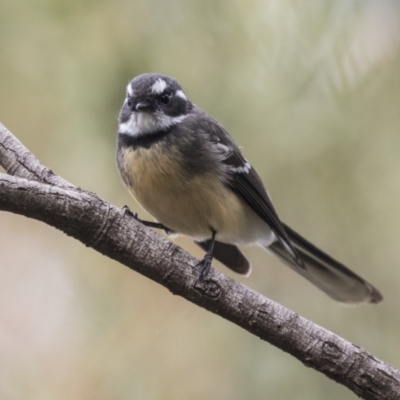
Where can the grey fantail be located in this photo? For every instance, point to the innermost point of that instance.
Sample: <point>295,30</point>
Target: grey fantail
<point>185,169</point>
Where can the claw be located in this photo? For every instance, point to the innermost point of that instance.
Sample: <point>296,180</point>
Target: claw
<point>150,224</point>
<point>126,210</point>
<point>205,263</point>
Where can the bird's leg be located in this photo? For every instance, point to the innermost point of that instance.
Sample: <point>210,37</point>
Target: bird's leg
<point>150,224</point>
<point>205,263</point>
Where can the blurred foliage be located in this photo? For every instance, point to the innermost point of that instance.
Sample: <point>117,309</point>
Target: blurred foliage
<point>311,89</point>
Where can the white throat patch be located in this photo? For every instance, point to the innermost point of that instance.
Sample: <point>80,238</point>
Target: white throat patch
<point>142,123</point>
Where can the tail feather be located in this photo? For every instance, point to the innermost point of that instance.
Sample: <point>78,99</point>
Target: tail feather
<point>326,273</point>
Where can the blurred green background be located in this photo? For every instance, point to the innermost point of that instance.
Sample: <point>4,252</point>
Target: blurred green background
<point>311,90</point>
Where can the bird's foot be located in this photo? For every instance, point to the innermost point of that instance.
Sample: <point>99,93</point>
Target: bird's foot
<point>150,224</point>
<point>205,263</point>
<point>205,266</point>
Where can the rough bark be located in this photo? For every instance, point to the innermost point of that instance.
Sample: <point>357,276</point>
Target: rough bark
<point>32,190</point>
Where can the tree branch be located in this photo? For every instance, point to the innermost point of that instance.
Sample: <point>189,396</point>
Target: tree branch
<point>35,192</point>
<point>17,160</point>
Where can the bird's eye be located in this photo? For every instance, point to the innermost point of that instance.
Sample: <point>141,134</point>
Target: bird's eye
<point>129,102</point>
<point>165,99</point>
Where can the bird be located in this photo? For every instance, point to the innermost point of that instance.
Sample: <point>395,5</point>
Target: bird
<point>183,167</point>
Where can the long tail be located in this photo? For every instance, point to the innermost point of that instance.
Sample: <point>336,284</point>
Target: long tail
<point>336,280</point>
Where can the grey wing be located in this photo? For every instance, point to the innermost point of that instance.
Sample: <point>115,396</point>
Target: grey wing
<point>247,183</point>
<point>244,181</point>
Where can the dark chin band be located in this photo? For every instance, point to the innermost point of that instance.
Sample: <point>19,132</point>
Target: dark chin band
<point>145,141</point>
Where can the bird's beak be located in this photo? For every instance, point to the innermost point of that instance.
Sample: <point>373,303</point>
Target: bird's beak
<point>142,106</point>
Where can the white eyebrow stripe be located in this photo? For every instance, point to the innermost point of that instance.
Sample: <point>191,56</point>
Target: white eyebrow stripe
<point>158,86</point>
<point>180,94</point>
<point>129,90</point>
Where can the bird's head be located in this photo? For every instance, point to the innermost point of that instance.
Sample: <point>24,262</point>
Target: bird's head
<point>153,103</point>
